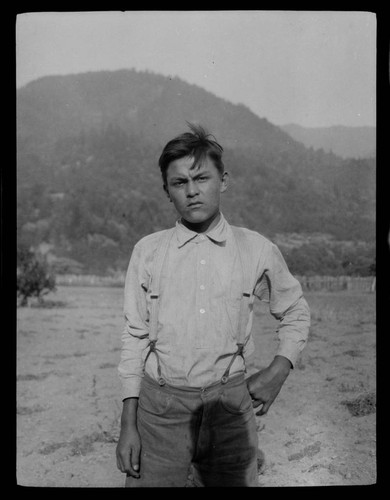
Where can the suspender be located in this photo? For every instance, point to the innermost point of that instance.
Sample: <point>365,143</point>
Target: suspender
<point>158,263</point>
<point>246,287</point>
<point>247,281</point>
<point>246,295</point>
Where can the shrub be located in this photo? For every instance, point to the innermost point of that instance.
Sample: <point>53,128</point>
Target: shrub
<point>34,278</point>
<point>362,405</point>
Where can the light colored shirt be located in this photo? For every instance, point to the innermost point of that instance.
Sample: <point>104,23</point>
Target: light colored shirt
<point>200,292</point>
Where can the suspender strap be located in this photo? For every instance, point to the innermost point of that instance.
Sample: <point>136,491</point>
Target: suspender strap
<point>158,263</point>
<point>152,348</point>
<point>246,295</point>
<point>247,282</point>
<point>239,352</point>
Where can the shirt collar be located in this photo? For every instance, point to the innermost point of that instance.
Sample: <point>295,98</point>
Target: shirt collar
<point>217,234</point>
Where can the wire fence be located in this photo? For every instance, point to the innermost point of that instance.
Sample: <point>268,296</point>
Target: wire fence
<point>337,283</point>
<point>308,283</point>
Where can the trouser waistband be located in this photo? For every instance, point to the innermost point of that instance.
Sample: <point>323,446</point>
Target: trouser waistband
<point>234,380</point>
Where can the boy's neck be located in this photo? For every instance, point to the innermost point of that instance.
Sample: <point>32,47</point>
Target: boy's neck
<point>204,226</point>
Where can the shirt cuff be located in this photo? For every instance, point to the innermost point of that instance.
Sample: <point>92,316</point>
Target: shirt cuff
<point>291,350</point>
<point>131,387</point>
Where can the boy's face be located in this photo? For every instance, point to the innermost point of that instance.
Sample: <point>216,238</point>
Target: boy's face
<point>195,192</point>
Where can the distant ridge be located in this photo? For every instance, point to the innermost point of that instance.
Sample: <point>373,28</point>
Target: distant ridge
<point>347,142</point>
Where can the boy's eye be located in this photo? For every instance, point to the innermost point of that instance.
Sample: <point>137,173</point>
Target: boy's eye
<point>197,179</point>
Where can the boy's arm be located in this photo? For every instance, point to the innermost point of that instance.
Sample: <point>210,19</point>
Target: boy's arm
<point>284,294</point>
<point>135,336</point>
<point>278,287</point>
<point>134,342</point>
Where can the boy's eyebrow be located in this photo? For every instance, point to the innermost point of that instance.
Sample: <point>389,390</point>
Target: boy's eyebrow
<point>180,177</point>
<point>201,172</point>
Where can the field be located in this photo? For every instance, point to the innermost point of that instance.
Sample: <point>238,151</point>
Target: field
<point>320,431</point>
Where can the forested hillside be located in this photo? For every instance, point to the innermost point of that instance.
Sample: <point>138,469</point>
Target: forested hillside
<point>89,185</point>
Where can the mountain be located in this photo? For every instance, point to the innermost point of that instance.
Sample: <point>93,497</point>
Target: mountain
<point>89,185</point>
<point>347,142</point>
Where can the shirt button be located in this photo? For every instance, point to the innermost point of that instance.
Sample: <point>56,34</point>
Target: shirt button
<point>202,287</point>
<point>202,311</point>
<point>203,261</point>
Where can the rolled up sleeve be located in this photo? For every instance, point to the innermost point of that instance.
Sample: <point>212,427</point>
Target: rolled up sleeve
<point>135,335</point>
<point>283,292</point>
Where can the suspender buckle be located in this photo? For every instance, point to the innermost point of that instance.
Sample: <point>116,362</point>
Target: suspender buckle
<point>152,345</point>
<point>240,349</point>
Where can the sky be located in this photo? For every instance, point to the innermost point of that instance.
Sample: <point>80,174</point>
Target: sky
<point>312,68</point>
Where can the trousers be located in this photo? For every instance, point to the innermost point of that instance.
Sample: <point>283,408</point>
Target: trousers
<point>208,432</point>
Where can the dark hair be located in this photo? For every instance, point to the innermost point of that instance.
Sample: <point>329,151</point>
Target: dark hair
<point>197,143</point>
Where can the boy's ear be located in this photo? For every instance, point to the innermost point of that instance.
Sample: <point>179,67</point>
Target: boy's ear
<point>224,182</point>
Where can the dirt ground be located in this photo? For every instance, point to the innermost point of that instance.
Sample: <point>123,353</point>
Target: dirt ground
<point>320,431</point>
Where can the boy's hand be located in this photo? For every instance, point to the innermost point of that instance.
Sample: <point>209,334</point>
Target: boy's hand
<point>128,449</point>
<point>265,385</point>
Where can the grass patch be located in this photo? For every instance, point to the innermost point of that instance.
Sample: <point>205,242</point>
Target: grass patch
<point>51,448</point>
<point>108,365</point>
<point>354,353</point>
<point>343,387</point>
<point>29,410</point>
<point>82,445</point>
<point>362,405</point>
<point>308,451</point>
<point>30,376</point>
<point>49,304</point>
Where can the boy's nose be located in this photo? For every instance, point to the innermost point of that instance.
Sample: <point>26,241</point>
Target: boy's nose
<point>192,189</point>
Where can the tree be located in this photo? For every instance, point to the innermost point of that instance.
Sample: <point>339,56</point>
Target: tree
<point>34,278</point>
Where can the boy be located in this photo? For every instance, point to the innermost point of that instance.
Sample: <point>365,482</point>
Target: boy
<point>188,304</point>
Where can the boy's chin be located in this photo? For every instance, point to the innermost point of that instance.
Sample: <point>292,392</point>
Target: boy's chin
<point>194,219</point>
<point>198,218</point>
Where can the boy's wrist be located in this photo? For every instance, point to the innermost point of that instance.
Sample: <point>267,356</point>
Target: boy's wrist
<point>281,365</point>
<point>129,412</point>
